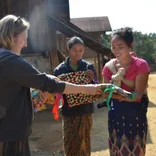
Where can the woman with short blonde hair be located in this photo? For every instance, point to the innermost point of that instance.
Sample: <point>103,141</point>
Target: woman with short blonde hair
<point>17,76</point>
<point>10,27</point>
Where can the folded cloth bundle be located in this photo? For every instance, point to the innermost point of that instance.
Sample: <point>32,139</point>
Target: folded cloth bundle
<point>55,99</point>
<point>36,100</point>
<point>81,78</point>
<point>118,92</point>
<point>114,92</point>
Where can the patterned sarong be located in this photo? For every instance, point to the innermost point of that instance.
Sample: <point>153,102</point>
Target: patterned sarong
<point>77,131</point>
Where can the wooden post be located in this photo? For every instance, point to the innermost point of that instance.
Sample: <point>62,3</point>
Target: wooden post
<point>53,51</point>
<point>99,68</point>
<point>95,62</point>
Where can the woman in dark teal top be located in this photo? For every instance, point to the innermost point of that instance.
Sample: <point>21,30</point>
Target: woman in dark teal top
<point>78,119</point>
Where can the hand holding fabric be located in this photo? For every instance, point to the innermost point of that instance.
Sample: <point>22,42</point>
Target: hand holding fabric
<point>90,74</point>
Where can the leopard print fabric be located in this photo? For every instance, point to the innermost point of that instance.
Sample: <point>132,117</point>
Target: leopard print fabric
<point>81,79</point>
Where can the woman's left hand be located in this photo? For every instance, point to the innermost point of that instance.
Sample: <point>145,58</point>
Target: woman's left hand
<point>44,96</point>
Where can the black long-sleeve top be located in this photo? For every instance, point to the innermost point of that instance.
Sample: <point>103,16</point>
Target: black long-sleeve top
<point>17,76</point>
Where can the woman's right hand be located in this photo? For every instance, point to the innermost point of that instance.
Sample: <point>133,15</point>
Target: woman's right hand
<point>89,89</point>
<point>44,96</point>
<point>90,74</point>
<point>92,89</point>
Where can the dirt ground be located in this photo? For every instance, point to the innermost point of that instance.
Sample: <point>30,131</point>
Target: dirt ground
<point>46,139</point>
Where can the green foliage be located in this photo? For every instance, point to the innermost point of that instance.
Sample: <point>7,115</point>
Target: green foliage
<point>145,45</point>
<point>106,40</point>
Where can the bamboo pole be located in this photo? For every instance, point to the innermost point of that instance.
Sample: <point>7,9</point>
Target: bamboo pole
<point>99,68</point>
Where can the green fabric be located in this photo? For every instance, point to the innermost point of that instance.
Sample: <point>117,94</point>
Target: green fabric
<point>110,89</point>
<point>133,96</point>
<point>61,104</point>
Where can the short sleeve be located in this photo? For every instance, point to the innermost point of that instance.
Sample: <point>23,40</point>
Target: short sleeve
<point>143,67</point>
<point>106,73</point>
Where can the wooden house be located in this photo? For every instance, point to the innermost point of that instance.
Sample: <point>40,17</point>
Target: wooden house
<point>47,17</point>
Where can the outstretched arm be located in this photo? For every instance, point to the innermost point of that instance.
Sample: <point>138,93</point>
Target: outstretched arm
<point>24,74</point>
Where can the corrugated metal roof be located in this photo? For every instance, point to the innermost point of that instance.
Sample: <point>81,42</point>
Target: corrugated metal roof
<point>92,24</point>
